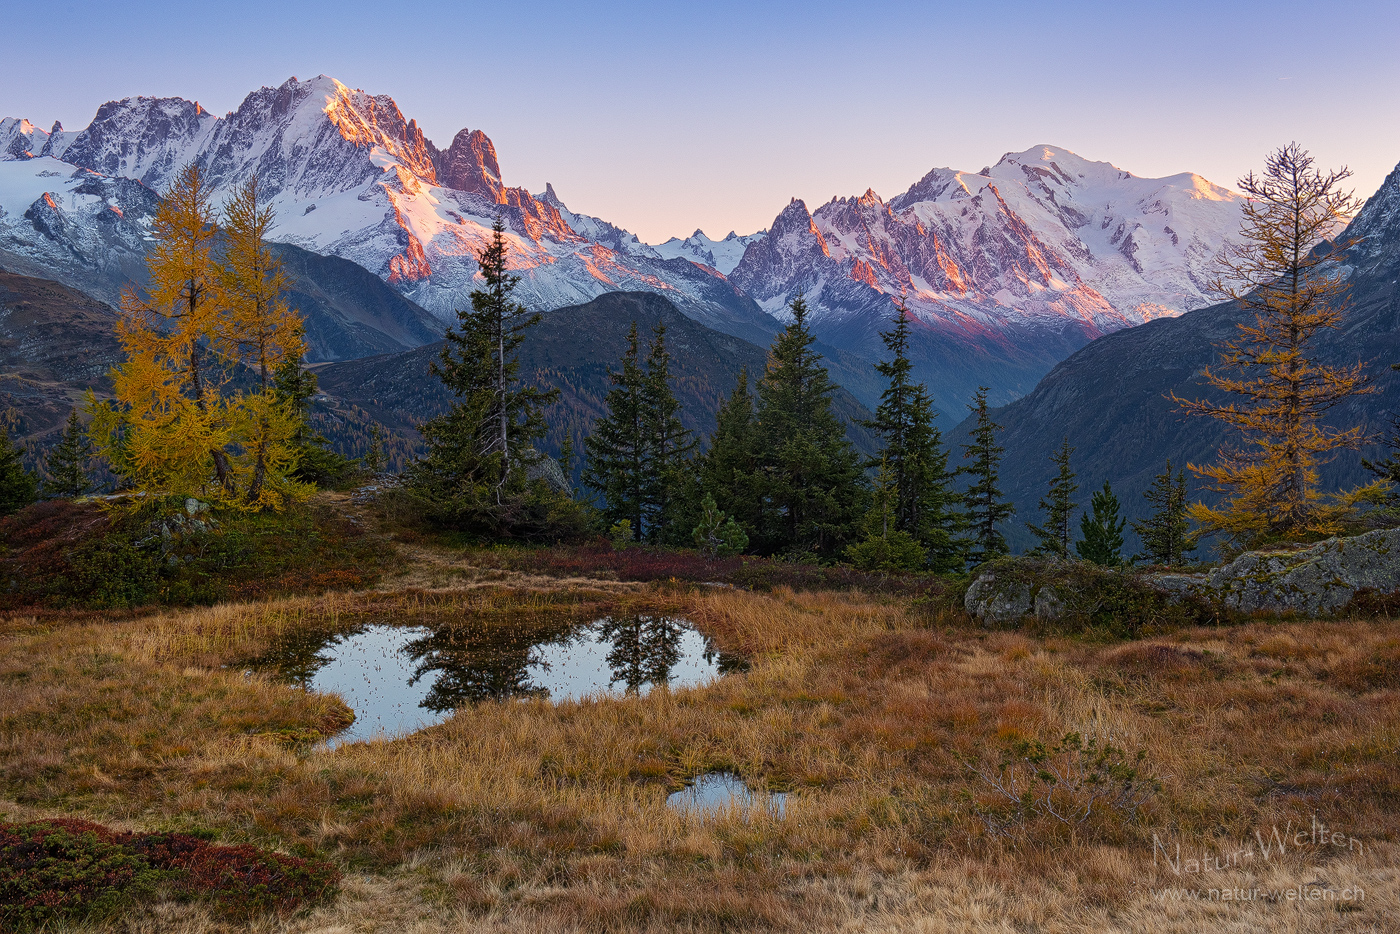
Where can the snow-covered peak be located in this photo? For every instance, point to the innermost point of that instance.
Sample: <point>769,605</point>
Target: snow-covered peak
<point>17,139</point>
<point>145,138</point>
<point>1376,229</point>
<point>722,255</point>
<point>595,229</point>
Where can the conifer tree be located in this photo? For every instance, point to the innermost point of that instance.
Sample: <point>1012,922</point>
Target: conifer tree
<point>18,486</point>
<point>670,473</point>
<point>914,455</point>
<point>886,547</point>
<point>810,473</point>
<point>1164,533</point>
<point>716,534</point>
<point>476,471</point>
<point>293,388</point>
<point>262,332</point>
<point>983,502</point>
<point>1388,470</point>
<point>1057,506</point>
<point>617,451</point>
<point>1102,530</point>
<point>66,467</point>
<point>170,429</point>
<point>374,457</point>
<point>1270,489</point>
<point>728,469</point>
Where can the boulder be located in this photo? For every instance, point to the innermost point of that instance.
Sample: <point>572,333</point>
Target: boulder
<point>1316,581</point>
<point>999,598</point>
<point>1076,596</point>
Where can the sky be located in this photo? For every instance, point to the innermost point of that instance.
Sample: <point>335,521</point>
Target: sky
<point>666,117</point>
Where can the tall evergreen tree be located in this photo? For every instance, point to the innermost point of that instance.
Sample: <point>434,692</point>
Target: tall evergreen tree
<point>670,477</point>
<point>293,388</point>
<point>18,486</point>
<point>914,455</point>
<point>983,502</point>
<point>1102,530</point>
<point>728,469</point>
<point>811,474</point>
<point>1165,536</point>
<point>476,474</point>
<point>886,547</point>
<point>66,467</point>
<point>1057,506</point>
<point>617,449</point>
<point>1388,470</point>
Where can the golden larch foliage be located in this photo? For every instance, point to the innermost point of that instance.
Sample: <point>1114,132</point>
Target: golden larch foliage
<point>177,427</point>
<point>259,330</point>
<point>1270,486</point>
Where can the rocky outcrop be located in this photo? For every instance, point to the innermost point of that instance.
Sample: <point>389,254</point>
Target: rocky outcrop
<point>1321,580</point>
<point>1316,581</point>
<point>1078,596</point>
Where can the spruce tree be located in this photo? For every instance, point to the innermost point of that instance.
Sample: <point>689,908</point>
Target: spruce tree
<point>293,388</point>
<point>728,469</point>
<point>811,474</point>
<point>716,534</point>
<point>669,482</point>
<point>66,467</point>
<point>1388,469</point>
<point>886,547</point>
<point>1164,534</point>
<point>914,455</point>
<point>983,502</point>
<point>1102,530</point>
<point>373,460</point>
<point>617,450</point>
<point>1057,506</point>
<point>475,475</point>
<point>18,486</point>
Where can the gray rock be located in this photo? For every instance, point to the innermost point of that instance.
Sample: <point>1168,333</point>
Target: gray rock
<point>1049,605</point>
<point>995,598</point>
<point>1314,581</point>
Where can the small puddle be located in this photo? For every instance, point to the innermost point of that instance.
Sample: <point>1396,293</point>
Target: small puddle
<point>399,679</point>
<point>720,792</point>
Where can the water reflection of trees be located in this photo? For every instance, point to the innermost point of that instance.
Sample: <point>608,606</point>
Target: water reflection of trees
<point>477,663</point>
<point>644,649</point>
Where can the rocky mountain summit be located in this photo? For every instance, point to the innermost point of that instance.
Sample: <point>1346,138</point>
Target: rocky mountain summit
<point>1112,398</point>
<point>349,176</point>
<point>1008,270</point>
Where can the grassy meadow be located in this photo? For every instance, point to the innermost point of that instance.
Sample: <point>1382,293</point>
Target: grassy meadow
<point>884,714</point>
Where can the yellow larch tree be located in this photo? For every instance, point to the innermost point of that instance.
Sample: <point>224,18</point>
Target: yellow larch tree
<point>170,430</point>
<point>262,332</point>
<point>1284,271</point>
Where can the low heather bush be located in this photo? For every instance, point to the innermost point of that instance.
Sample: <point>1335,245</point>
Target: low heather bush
<point>74,869</point>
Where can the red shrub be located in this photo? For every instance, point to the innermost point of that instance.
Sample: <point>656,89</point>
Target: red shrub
<point>69,868</point>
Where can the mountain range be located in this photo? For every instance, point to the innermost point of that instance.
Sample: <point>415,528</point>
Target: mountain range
<point>1007,270</point>
<point>1111,399</point>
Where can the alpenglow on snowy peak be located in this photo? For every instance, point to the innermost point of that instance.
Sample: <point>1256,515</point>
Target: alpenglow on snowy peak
<point>349,176</point>
<point>1009,269</point>
<point>1043,234</point>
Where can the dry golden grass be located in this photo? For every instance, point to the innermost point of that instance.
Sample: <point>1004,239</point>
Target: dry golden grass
<point>530,816</point>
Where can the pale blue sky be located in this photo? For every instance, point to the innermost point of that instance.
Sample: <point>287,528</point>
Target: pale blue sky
<point>664,117</point>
